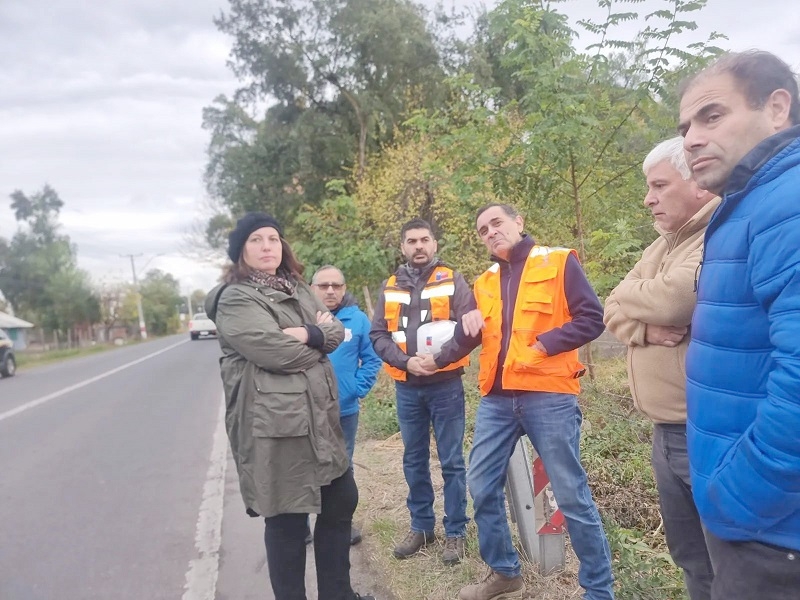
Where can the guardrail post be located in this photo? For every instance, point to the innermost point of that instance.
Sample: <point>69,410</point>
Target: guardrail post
<point>534,510</point>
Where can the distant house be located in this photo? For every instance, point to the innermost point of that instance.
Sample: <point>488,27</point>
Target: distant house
<point>16,330</point>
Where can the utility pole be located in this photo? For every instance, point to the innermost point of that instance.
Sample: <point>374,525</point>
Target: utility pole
<point>142,327</point>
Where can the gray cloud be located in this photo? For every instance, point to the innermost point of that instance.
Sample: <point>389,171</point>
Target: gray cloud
<point>103,101</point>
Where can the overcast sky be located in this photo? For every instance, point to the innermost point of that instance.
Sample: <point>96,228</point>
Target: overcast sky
<point>103,101</point>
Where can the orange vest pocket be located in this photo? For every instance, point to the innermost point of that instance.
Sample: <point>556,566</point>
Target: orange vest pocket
<point>440,308</point>
<point>531,360</point>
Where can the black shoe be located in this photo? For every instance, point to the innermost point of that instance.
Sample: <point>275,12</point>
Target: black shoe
<point>355,536</point>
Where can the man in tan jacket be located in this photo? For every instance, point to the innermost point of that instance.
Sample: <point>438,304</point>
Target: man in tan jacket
<point>650,311</point>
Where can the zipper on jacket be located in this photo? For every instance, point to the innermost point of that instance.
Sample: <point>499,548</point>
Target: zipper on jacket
<point>506,306</point>
<point>697,270</point>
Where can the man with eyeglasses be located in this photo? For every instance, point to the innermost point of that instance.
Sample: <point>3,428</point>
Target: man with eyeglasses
<point>355,363</point>
<point>423,297</point>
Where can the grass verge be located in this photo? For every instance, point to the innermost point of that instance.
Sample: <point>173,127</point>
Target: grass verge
<point>616,453</point>
<point>26,359</point>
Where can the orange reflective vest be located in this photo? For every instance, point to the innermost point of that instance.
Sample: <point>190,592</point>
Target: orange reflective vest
<point>541,306</point>
<point>438,290</point>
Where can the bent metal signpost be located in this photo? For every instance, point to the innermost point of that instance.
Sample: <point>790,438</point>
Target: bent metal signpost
<point>534,510</point>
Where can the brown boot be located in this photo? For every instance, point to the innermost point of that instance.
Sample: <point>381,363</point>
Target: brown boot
<point>453,550</point>
<point>413,543</point>
<point>494,586</point>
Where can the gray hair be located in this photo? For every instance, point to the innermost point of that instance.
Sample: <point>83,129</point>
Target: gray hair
<point>670,150</point>
<point>510,211</point>
<point>325,268</point>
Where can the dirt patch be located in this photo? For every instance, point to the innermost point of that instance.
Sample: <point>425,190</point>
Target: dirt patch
<point>384,518</point>
<point>365,577</point>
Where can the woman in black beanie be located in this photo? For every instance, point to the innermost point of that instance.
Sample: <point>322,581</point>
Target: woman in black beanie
<point>282,411</point>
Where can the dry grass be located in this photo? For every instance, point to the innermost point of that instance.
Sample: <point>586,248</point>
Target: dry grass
<point>383,514</point>
<point>615,451</point>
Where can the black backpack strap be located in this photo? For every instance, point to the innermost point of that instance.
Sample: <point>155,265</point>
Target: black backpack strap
<point>218,296</point>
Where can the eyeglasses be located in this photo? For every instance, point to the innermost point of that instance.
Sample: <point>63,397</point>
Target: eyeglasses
<point>324,286</point>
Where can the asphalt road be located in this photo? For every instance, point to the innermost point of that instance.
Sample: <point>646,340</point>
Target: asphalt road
<point>117,481</point>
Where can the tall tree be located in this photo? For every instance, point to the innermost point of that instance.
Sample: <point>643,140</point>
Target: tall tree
<point>118,307</point>
<point>38,269</point>
<point>351,239</point>
<point>40,211</point>
<point>161,299</point>
<point>338,75</point>
<point>74,304</point>
<point>562,133</point>
<point>198,298</point>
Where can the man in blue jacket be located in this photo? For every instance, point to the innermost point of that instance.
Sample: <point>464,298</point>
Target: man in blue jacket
<point>355,363</point>
<point>739,119</point>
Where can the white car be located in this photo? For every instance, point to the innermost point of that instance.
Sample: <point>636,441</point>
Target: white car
<point>201,326</point>
<point>8,363</point>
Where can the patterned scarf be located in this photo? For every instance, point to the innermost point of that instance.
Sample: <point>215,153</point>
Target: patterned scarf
<point>276,282</point>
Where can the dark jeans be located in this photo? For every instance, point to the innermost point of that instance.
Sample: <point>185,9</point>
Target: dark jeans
<point>284,537</point>
<point>753,571</point>
<point>350,428</point>
<point>419,406</point>
<point>682,526</point>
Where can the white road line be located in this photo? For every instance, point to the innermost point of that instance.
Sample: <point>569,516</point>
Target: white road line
<point>201,578</point>
<point>34,403</point>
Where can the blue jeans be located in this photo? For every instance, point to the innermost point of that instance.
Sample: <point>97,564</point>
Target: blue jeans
<point>349,427</point>
<point>442,404</point>
<point>552,422</point>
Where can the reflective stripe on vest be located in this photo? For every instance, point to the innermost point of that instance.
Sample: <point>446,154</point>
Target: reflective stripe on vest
<point>438,290</point>
<point>541,306</point>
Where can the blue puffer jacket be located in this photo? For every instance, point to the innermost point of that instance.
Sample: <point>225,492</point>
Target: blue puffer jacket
<point>355,363</point>
<point>743,364</point>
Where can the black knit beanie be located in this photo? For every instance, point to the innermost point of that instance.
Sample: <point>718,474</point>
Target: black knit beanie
<point>244,227</point>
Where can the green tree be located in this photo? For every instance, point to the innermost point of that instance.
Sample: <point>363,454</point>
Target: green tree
<point>38,269</point>
<point>128,310</point>
<point>348,240</point>
<point>557,132</point>
<point>35,253</point>
<point>198,298</point>
<point>594,126</point>
<point>73,301</point>
<point>40,211</point>
<point>339,76</point>
<point>273,165</point>
<point>561,133</point>
<point>160,297</point>
<point>118,307</point>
